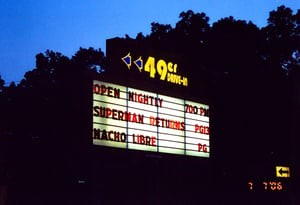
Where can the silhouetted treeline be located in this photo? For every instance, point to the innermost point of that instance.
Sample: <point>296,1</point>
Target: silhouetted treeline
<point>250,74</point>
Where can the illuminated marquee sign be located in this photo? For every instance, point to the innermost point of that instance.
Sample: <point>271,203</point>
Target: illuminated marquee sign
<point>129,118</point>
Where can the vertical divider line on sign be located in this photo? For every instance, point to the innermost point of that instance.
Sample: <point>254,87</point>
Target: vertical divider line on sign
<point>126,98</point>
<point>184,134</point>
<point>157,132</point>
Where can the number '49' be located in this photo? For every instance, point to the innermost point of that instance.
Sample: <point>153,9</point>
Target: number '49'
<point>161,67</point>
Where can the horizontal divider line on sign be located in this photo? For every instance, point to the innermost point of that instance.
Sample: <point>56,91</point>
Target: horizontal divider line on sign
<point>193,131</point>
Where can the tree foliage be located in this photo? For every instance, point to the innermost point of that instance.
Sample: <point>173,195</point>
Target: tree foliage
<point>282,36</point>
<point>90,59</point>
<point>160,31</point>
<point>192,26</point>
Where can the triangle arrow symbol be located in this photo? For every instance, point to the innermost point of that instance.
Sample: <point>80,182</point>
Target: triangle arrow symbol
<point>139,63</point>
<point>127,60</point>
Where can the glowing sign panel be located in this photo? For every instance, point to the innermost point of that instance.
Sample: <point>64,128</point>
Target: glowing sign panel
<point>129,118</point>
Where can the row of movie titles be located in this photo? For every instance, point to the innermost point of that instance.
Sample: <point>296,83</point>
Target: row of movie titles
<point>146,120</point>
<point>148,141</point>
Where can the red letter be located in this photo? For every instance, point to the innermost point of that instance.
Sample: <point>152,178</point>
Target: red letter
<point>96,89</point>
<point>202,111</point>
<point>96,111</point>
<point>108,112</point>
<point>142,140</point>
<point>196,127</point>
<point>109,135</point>
<point>147,140</point>
<point>103,89</point>
<point>152,120</point>
<point>109,92</point>
<point>182,125</point>
<point>140,98</point>
<point>204,148</point>
<point>207,130</point>
<point>120,115</point>
<point>157,122</point>
<point>153,141</point>
<point>117,136</point>
<point>114,114</point>
<point>199,147</point>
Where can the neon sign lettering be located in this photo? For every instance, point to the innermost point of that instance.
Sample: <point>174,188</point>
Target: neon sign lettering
<point>167,71</point>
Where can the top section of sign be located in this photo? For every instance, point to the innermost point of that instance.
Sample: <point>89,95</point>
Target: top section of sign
<point>166,71</point>
<point>148,66</point>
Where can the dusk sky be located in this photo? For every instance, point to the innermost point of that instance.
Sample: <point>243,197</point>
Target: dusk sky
<point>29,27</point>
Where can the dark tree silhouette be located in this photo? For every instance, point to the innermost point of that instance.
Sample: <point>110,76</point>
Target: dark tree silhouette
<point>1,84</point>
<point>192,26</point>
<point>90,59</point>
<point>140,36</point>
<point>160,32</point>
<point>38,118</point>
<point>282,36</point>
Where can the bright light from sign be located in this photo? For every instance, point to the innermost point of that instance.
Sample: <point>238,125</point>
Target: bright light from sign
<point>129,118</point>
